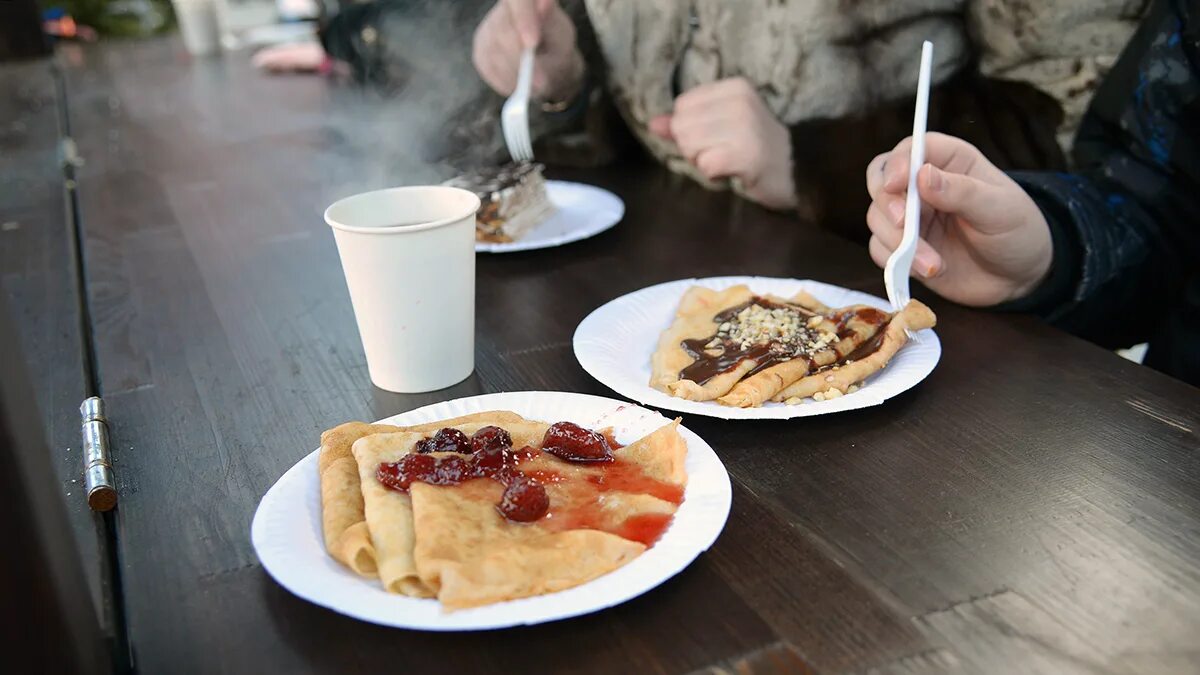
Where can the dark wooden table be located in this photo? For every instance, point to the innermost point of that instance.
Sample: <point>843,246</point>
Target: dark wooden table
<point>1033,506</point>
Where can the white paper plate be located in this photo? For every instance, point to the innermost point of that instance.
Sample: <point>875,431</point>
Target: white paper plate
<point>614,344</point>
<point>581,211</point>
<point>286,532</point>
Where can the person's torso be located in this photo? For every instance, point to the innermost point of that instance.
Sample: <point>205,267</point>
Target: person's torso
<point>807,59</point>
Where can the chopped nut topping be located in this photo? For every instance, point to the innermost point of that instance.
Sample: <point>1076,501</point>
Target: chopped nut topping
<point>795,400</point>
<point>833,393</point>
<point>786,331</point>
<point>852,388</point>
<point>783,328</point>
<point>819,396</point>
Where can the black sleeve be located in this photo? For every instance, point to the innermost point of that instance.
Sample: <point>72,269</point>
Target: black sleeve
<point>1125,224</point>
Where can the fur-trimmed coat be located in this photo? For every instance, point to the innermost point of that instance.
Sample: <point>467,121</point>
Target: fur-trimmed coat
<point>1009,75</point>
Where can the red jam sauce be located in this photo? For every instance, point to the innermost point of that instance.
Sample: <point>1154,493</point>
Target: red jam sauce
<point>489,454</point>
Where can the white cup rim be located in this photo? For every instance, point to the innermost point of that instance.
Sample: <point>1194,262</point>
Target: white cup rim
<point>473,202</point>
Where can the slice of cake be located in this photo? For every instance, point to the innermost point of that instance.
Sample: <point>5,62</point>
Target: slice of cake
<point>512,200</point>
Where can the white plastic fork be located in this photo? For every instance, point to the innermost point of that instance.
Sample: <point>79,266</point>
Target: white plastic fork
<point>514,117</point>
<point>899,264</point>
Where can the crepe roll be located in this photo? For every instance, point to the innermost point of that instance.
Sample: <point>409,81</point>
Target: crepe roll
<point>760,387</point>
<point>915,316</point>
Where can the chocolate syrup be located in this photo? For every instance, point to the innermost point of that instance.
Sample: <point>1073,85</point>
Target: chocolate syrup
<point>706,366</point>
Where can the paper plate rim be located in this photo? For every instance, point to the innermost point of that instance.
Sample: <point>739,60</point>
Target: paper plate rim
<point>615,203</point>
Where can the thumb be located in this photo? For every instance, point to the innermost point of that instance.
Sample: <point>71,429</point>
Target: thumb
<point>981,204</point>
<point>544,7</point>
<point>660,125</point>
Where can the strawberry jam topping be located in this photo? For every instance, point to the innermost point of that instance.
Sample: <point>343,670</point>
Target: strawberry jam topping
<point>573,443</point>
<point>489,454</point>
<point>446,440</point>
<point>524,499</point>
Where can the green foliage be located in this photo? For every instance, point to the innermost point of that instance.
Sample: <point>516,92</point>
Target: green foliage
<point>125,18</point>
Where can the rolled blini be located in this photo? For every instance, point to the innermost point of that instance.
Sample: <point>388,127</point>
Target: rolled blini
<point>761,386</point>
<point>693,320</point>
<point>915,316</point>
<point>715,387</point>
<point>766,385</point>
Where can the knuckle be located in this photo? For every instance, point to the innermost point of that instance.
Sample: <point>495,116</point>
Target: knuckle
<point>873,217</point>
<point>479,49</point>
<point>709,164</point>
<point>683,102</point>
<point>679,127</point>
<point>755,156</point>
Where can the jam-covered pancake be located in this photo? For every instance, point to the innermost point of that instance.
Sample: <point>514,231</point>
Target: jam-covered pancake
<point>342,521</point>
<point>475,514</point>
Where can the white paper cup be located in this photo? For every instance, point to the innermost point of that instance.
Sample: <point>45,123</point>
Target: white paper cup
<point>409,258</point>
<point>198,25</point>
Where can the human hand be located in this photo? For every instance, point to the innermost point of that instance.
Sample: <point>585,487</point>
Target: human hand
<point>725,130</point>
<point>511,26</point>
<point>983,239</point>
<point>293,57</point>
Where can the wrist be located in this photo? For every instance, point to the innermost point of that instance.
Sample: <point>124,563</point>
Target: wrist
<point>1039,273</point>
<point>1058,263</point>
<point>1039,243</point>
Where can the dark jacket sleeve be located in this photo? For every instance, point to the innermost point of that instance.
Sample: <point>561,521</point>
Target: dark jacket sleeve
<point>1125,223</point>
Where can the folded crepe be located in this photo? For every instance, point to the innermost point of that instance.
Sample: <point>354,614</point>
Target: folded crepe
<point>452,543</point>
<point>773,375</point>
<point>389,513</point>
<point>694,320</point>
<point>848,323</point>
<point>342,522</point>
<point>915,316</point>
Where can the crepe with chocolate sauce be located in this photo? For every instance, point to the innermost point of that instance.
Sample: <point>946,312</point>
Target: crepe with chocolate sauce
<point>743,350</point>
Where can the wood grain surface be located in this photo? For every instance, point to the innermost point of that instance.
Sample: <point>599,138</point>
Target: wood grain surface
<point>37,277</point>
<point>1033,506</point>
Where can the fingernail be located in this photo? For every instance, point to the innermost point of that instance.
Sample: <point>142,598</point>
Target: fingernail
<point>925,265</point>
<point>896,209</point>
<point>935,179</point>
